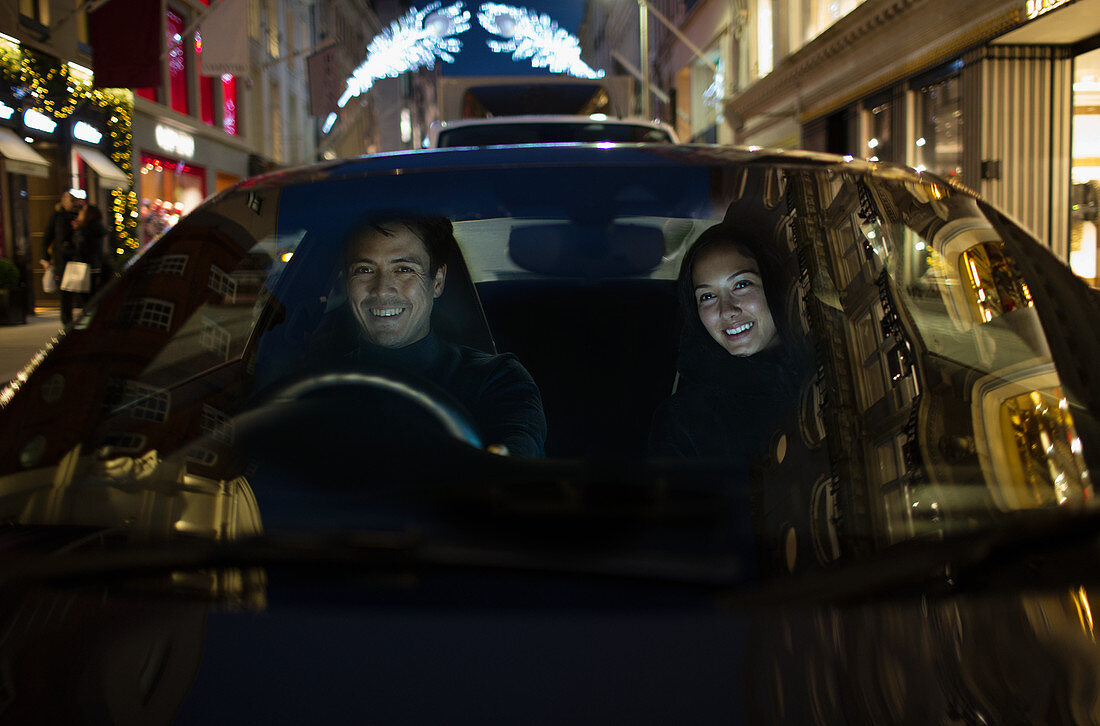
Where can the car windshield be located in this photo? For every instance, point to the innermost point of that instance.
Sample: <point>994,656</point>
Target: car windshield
<point>903,387</point>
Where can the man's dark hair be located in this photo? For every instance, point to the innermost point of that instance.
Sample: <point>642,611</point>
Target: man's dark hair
<point>435,231</point>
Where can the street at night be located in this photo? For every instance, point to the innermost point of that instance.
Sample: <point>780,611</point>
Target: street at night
<point>576,362</point>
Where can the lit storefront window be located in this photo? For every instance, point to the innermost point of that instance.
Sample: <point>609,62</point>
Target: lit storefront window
<point>1085,194</point>
<point>170,188</point>
<point>879,144</point>
<point>939,143</point>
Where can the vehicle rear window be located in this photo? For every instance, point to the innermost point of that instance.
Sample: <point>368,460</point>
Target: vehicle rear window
<point>547,133</point>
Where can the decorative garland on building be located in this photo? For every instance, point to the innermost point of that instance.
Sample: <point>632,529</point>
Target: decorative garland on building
<point>52,88</point>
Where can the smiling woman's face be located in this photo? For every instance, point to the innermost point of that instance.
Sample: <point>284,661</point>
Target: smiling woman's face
<point>729,295</point>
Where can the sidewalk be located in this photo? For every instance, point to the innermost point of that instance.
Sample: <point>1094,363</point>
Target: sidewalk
<point>18,343</point>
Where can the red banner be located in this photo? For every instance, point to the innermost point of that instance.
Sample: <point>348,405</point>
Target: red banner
<point>127,39</point>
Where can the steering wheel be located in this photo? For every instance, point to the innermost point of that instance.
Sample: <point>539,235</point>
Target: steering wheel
<point>333,424</point>
<point>450,416</point>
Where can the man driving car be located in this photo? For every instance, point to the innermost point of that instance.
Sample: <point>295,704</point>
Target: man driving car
<point>396,271</point>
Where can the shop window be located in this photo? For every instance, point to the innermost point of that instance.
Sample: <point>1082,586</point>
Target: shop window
<point>147,93</point>
<point>206,100</point>
<point>206,88</point>
<point>177,65</point>
<point>170,188</point>
<point>275,106</point>
<point>229,105</point>
<point>148,312</point>
<point>82,28</point>
<point>939,143</point>
<point>223,181</point>
<point>765,54</point>
<point>1085,192</point>
<point>37,11</point>
<point>273,28</point>
<point>254,19</point>
<point>879,144</point>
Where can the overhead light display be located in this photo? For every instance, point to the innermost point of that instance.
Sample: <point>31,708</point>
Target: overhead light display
<point>413,41</point>
<point>528,35</point>
<point>420,37</point>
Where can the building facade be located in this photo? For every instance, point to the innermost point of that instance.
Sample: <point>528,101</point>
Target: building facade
<point>58,133</point>
<point>196,134</point>
<point>144,155</point>
<point>1002,95</point>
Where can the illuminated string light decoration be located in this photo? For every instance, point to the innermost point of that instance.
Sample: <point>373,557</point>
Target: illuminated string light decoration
<point>56,90</point>
<point>529,35</point>
<point>411,42</point>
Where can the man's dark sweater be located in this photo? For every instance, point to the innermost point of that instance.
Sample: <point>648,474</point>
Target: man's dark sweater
<point>496,389</point>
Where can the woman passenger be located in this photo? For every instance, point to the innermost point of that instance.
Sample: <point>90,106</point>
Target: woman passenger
<point>739,375</point>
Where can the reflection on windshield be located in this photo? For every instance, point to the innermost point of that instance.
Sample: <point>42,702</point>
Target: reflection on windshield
<point>912,392</point>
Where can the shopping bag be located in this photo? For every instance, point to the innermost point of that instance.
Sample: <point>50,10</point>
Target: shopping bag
<point>77,278</point>
<point>49,282</point>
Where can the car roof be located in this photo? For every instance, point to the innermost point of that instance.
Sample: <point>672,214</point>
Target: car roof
<point>600,154</point>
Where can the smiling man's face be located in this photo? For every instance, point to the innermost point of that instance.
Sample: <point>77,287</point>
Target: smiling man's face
<point>390,286</point>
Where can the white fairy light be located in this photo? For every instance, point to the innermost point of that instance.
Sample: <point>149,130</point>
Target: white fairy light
<point>408,44</point>
<point>529,35</point>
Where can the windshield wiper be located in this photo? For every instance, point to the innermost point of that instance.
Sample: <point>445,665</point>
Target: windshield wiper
<point>371,553</point>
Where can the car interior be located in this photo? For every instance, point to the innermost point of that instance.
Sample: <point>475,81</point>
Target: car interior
<point>589,309</point>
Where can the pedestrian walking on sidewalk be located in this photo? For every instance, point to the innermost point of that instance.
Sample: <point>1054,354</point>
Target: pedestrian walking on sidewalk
<point>57,247</point>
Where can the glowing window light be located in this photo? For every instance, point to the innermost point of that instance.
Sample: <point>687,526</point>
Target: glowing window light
<point>81,72</point>
<point>39,121</point>
<point>528,35</point>
<point>408,44</point>
<point>6,111</point>
<point>406,125</point>
<point>83,131</point>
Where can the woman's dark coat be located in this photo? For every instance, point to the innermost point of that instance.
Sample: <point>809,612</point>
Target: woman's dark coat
<point>724,405</point>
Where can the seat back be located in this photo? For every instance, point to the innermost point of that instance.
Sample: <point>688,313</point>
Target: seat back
<point>603,353</point>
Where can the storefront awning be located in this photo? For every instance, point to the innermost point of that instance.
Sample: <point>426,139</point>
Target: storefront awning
<point>20,157</point>
<point>110,176</point>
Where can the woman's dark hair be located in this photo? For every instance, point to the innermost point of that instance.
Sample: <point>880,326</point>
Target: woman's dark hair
<point>758,247</point>
<point>92,215</point>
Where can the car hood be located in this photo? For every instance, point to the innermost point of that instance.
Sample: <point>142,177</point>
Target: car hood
<point>366,650</point>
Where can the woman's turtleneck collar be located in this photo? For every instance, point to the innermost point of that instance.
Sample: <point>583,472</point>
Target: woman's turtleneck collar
<point>416,357</point>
